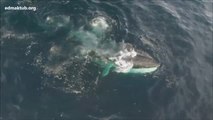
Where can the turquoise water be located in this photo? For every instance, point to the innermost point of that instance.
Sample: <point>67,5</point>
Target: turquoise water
<point>46,72</point>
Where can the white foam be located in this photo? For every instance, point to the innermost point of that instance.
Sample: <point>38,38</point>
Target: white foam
<point>100,22</point>
<point>123,60</point>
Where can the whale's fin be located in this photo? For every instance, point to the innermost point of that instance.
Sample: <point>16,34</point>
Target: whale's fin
<point>107,69</point>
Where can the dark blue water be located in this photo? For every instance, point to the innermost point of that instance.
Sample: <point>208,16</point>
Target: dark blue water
<point>41,79</point>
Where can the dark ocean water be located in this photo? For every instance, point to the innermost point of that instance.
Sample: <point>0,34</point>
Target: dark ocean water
<point>41,79</point>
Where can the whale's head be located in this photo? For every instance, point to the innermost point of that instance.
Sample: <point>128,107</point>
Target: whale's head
<point>131,61</point>
<point>144,63</point>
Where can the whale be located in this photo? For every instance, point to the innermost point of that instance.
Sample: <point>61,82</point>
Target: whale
<point>109,55</point>
<point>128,61</point>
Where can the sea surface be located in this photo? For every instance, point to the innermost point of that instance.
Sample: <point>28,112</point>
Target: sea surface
<point>43,78</point>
